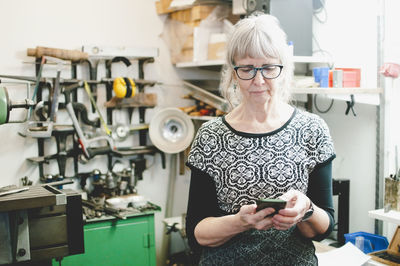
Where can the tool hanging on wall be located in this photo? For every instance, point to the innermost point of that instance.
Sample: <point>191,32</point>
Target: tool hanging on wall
<point>171,130</point>
<point>93,76</point>
<point>124,87</point>
<point>43,129</point>
<point>83,141</point>
<point>73,55</point>
<point>37,83</point>
<point>6,105</point>
<point>121,132</point>
<point>109,85</point>
<point>106,129</point>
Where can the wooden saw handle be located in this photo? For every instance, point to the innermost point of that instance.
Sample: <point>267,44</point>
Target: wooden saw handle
<point>73,55</point>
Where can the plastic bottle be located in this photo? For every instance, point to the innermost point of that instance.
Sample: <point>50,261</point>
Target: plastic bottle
<point>291,48</point>
<point>360,243</point>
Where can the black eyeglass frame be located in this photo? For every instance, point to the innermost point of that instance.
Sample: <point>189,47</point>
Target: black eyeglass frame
<point>259,69</point>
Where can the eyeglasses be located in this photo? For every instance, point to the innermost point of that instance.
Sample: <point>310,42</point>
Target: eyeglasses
<point>267,71</point>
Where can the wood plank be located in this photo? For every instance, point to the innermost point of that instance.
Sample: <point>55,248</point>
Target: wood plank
<point>139,100</point>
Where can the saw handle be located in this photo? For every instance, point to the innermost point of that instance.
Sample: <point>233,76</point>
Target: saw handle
<point>73,55</point>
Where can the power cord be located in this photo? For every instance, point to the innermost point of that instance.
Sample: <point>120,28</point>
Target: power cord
<point>318,109</point>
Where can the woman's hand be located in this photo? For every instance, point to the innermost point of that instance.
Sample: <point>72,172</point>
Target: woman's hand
<point>249,218</point>
<point>296,207</point>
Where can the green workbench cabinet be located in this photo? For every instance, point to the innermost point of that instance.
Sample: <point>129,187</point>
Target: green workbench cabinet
<point>117,242</point>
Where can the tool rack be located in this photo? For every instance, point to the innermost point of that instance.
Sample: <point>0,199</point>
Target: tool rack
<point>136,152</point>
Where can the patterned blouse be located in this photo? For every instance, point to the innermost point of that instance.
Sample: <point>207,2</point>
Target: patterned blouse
<point>247,166</point>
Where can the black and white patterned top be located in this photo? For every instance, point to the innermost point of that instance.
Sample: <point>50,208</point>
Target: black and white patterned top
<point>247,166</point>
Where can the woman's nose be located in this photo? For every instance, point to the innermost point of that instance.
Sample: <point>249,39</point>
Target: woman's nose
<point>259,79</point>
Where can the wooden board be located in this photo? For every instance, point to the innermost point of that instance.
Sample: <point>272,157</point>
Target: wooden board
<point>393,250</point>
<point>139,100</point>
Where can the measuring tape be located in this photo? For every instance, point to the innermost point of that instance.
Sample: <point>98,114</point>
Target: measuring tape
<point>108,131</point>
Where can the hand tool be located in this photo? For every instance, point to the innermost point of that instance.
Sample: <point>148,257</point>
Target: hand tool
<point>107,210</point>
<point>37,83</point>
<point>45,128</point>
<point>7,190</point>
<point>83,141</point>
<point>73,55</point>
<point>93,76</point>
<point>107,130</point>
<point>6,105</point>
<point>80,108</point>
<point>121,132</point>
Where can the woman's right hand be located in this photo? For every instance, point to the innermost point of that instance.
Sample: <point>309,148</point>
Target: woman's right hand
<point>257,220</point>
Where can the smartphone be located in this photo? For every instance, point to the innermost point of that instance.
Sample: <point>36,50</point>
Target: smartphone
<point>277,204</point>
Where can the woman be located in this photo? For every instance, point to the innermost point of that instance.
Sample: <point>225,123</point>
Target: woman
<point>263,148</point>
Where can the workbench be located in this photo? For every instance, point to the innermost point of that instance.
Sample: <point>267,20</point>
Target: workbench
<point>112,241</point>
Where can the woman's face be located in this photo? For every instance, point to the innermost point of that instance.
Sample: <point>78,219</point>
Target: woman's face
<point>257,89</point>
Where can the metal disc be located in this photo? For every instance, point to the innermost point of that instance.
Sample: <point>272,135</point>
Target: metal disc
<point>171,130</point>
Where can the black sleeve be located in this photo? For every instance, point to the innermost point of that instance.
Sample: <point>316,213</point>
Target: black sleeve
<point>202,203</point>
<point>320,193</point>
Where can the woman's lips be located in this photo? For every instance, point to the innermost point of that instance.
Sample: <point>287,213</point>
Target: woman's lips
<point>257,92</point>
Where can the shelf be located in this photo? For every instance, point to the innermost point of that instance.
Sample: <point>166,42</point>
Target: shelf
<point>390,216</point>
<point>369,96</point>
<point>345,91</point>
<point>208,63</point>
<point>310,59</point>
<point>200,64</point>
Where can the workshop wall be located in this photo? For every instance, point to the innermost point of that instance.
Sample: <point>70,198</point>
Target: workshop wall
<point>27,24</point>
<point>70,25</point>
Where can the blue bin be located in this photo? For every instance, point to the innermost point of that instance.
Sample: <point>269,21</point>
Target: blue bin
<point>372,242</point>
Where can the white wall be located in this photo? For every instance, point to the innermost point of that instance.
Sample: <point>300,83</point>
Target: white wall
<point>349,35</point>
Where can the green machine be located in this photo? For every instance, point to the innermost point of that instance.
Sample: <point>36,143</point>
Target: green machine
<point>6,105</point>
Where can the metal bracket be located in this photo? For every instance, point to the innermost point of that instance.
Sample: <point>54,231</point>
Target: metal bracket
<point>22,252</point>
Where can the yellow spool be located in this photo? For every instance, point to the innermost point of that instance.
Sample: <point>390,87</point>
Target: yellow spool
<point>121,89</point>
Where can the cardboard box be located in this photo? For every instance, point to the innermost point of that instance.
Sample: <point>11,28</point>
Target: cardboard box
<point>351,77</point>
<point>390,256</point>
<point>162,6</point>
<point>193,14</point>
<point>392,194</point>
<point>216,46</point>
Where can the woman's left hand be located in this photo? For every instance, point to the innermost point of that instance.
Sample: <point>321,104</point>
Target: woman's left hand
<point>297,205</point>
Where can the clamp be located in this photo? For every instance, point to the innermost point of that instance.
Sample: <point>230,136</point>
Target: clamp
<point>350,105</point>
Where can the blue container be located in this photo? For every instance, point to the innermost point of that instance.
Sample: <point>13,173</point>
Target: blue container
<point>317,74</point>
<point>372,242</point>
<point>321,76</point>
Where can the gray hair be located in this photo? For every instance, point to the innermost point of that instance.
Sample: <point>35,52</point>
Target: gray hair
<point>257,36</point>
